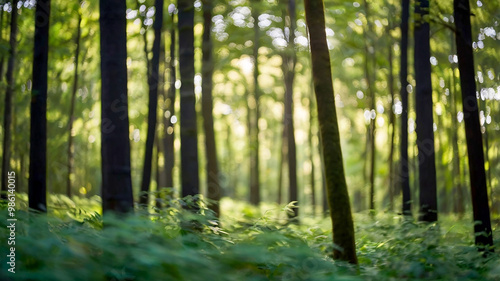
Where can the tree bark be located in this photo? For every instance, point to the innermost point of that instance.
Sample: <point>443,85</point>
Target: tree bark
<point>424,120</point>
<point>189,131</point>
<point>289,60</point>
<point>71,149</point>
<point>7,119</point>
<point>37,184</point>
<point>404,175</point>
<point>338,197</point>
<point>479,192</point>
<point>213,185</point>
<point>115,148</point>
<point>153,79</point>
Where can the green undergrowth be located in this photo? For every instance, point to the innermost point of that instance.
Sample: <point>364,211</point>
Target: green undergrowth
<point>74,242</point>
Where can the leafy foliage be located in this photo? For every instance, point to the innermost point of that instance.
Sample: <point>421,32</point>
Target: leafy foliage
<point>174,244</point>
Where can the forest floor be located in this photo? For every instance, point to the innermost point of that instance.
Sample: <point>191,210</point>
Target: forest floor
<point>72,244</point>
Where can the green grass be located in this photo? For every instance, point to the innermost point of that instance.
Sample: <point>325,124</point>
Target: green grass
<point>72,244</point>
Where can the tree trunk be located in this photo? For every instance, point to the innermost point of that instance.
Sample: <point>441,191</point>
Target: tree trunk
<point>371,94</point>
<point>115,148</point>
<point>254,123</point>
<point>338,197</point>
<point>213,185</point>
<point>38,132</point>
<point>289,60</point>
<point>7,119</point>
<point>189,131</point>
<point>153,79</point>
<point>424,110</point>
<point>403,178</point>
<point>479,193</point>
<point>169,97</point>
<point>72,107</point>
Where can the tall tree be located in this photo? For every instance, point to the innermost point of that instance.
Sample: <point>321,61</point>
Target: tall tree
<point>423,108</point>
<point>71,149</point>
<point>153,79</point>
<point>255,116</point>
<point>404,175</point>
<point>289,61</point>
<point>189,132</point>
<point>7,119</point>
<point>115,147</point>
<point>338,197</point>
<point>213,185</point>
<point>38,131</point>
<point>369,53</point>
<point>479,192</point>
<point>392,125</point>
<point>169,97</point>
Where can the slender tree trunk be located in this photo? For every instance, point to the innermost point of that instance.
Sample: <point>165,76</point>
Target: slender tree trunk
<point>2,26</point>
<point>289,60</point>
<point>404,174</point>
<point>115,148</point>
<point>338,197</point>
<point>71,149</point>
<point>169,97</point>
<point>213,185</point>
<point>479,192</point>
<point>153,79</point>
<point>7,119</point>
<point>38,132</point>
<point>189,131</point>
<point>424,122</point>
<point>371,93</point>
<point>254,124</point>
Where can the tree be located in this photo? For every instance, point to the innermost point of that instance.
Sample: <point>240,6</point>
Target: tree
<point>153,79</point>
<point>254,113</point>
<point>71,149</point>
<point>213,185</point>
<point>423,108</point>
<point>338,197</point>
<point>189,134</point>
<point>479,192</point>
<point>38,132</point>
<point>115,147</point>
<point>404,176</point>
<point>7,120</point>
<point>289,60</point>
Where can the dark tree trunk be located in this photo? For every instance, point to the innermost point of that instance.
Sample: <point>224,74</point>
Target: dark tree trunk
<point>168,139</point>
<point>479,193</point>
<point>403,179</point>
<point>289,60</point>
<point>2,57</point>
<point>115,148</point>
<point>424,110</point>
<point>153,103</point>
<point>189,132</point>
<point>72,108</point>
<point>254,124</point>
<point>38,132</point>
<point>338,197</point>
<point>281,163</point>
<point>7,119</point>
<point>213,185</point>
